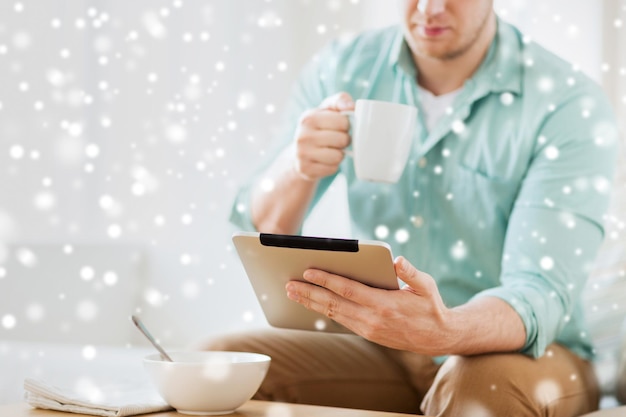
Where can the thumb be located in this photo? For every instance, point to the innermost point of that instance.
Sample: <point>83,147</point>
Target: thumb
<point>419,282</point>
<point>338,102</point>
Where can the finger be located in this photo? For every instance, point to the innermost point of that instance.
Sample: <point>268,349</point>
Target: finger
<point>318,162</point>
<point>320,155</point>
<point>338,102</point>
<point>346,288</point>
<point>316,299</point>
<point>325,119</point>
<point>418,281</point>
<point>312,170</point>
<point>309,139</point>
<point>322,301</point>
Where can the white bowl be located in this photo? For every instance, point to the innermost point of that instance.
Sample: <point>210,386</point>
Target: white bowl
<point>207,382</point>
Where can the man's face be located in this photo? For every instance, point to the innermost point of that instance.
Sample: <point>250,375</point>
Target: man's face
<point>444,29</point>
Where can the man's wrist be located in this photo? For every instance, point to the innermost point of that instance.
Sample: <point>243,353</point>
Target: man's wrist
<point>482,325</point>
<point>295,168</point>
<point>453,332</point>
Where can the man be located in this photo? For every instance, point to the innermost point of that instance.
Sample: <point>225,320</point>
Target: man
<point>499,211</point>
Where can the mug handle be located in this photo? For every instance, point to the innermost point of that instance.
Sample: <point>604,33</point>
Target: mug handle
<point>350,114</point>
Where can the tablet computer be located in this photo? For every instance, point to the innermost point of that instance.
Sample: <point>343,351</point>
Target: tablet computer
<point>271,260</point>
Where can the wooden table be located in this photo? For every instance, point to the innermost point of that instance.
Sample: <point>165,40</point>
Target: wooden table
<point>609,412</point>
<point>250,409</point>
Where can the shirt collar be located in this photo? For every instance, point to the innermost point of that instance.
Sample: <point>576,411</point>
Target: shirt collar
<point>500,71</point>
<point>400,56</point>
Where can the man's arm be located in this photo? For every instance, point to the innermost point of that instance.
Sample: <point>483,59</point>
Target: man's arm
<point>486,325</point>
<point>282,196</point>
<point>413,318</point>
<point>274,199</point>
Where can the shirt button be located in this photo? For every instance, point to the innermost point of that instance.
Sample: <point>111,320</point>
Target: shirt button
<point>418,221</point>
<point>422,162</point>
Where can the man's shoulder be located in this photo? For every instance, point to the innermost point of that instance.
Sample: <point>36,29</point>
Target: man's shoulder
<point>546,71</point>
<point>557,89</point>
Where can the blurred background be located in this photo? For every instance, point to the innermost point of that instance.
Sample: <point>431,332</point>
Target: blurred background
<point>127,126</point>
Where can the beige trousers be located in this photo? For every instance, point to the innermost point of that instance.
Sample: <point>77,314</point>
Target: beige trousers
<point>349,371</point>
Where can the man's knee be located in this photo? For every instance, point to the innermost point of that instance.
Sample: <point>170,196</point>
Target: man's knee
<point>557,384</point>
<point>486,385</point>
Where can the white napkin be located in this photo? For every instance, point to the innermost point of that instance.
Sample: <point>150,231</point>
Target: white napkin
<point>100,400</point>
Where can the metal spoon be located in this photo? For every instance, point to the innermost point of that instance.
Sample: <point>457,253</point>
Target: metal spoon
<point>146,333</point>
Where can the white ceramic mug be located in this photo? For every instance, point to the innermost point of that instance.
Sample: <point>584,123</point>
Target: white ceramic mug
<point>382,133</point>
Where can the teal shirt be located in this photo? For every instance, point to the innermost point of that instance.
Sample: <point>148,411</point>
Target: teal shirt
<point>505,197</point>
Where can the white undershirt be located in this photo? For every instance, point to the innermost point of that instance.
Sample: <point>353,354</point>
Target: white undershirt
<point>434,107</point>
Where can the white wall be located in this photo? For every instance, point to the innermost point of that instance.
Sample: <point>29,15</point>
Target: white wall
<point>573,31</point>
<point>133,122</point>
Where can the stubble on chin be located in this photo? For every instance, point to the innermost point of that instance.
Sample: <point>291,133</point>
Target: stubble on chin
<point>445,49</point>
